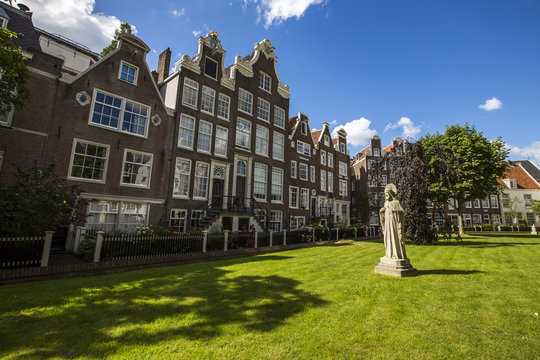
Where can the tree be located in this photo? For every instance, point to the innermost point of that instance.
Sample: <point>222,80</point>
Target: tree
<point>39,201</point>
<point>124,28</point>
<point>463,165</point>
<point>536,207</point>
<point>360,210</point>
<point>409,170</point>
<point>14,75</point>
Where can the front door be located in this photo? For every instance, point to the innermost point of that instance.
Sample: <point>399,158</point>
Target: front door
<point>217,193</point>
<point>240,192</point>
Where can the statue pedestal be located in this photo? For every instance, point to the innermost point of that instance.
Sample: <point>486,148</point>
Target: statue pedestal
<point>395,267</point>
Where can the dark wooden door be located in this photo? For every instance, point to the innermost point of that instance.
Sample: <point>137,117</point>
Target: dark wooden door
<point>239,201</point>
<point>217,193</point>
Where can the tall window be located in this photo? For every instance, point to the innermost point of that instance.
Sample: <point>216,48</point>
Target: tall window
<point>323,180</point>
<point>278,146</point>
<point>182,172</point>
<point>485,203</point>
<point>304,198</point>
<point>275,220</point>
<point>312,173</point>
<point>342,168</point>
<point>128,73</point>
<point>494,201</point>
<point>186,132</point>
<point>220,147</point>
<point>303,172</point>
<point>264,81</point>
<point>303,127</point>
<point>330,160</point>
<point>528,200</point>
<point>245,101</point>
<point>178,218</point>
<point>263,110</point>
<point>279,117</point>
<point>243,133</point>
<point>293,197</point>
<point>326,140</point>
<point>259,181</point>
<point>376,152</point>
<point>342,147</point>
<point>323,157</point>
<point>383,180</point>
<point>277,185</point>
<point>137,168</point>
<point>293,169</point>
<point>200,188</point>
<point>205,136</point>
<point>6,118</point>
<point>190,92</point>
<point>261,140</point>
<point>208,99</point>
<point>108,110</point>
<point>342,187</point>
<point>303,148</point>
<point>210,68</point>
<point>224,104</point>
<point>476,203</point>
<point>89,161</point>
<point>330,182</point>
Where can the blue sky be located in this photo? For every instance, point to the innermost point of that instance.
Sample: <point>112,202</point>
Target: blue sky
<point>386,67</point>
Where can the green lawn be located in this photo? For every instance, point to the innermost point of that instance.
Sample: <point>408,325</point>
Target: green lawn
<point>479,300</point>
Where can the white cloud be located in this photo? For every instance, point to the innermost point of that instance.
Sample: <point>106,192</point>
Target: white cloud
<point>333,122</point>
<point>408,127</point>
<point>180,12</point>
<point>531,151</point>
<point>358,131</point>
<point>76,20</point>
<point>196,32</point>
<point>275,12</point>
<point>491,104</point>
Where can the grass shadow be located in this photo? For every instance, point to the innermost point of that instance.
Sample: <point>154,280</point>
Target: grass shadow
<point>448,272</point>
<point>149,307</point>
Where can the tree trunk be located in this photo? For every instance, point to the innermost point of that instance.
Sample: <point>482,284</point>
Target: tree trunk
<point>460,218</point>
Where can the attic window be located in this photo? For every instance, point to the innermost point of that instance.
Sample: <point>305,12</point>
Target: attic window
<point>210,68</point>
<point>264,81</point>
<point>342,147</point>
<point>3,22</point>
<point>128,73</point>
<point>376,152</point>
<point>304,128</point>
<point>326,140</point>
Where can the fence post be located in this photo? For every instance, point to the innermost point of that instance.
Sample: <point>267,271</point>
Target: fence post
<point>337,234</point>
<point>271,236</point>
<point>204,241</point>
<point>355,233</point>
<point>99,243</point>
<point>46,248</point>
<point>499,227</point>
<point>284,237</point>
<point>226,239</point>
<point>313,234</point>
<point>256,239</point>
<point>81,231</point>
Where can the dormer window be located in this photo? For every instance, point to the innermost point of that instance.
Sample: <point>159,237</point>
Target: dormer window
<point>128,73</point>
<point>326,140</point>
<point>342,147</point>
<point>513,184</point>
<point>3,22</point>
<point>265,81</point>
<point>376,152</point>
<point>210,68</point>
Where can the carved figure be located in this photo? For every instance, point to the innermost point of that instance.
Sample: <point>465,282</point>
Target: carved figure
<point>392,218</point>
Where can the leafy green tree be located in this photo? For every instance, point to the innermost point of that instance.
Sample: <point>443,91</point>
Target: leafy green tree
<point>124,28</point>
<point>39,201</point>
<point>14,75</point>
<point>361,211</point>
<point>536,207</point>
<point>462,164</point>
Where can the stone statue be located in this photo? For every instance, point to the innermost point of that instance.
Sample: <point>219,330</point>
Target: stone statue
<point>394,262</point>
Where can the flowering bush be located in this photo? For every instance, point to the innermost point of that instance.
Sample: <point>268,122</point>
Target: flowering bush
<point>306,233</point>
<point>39,201</point>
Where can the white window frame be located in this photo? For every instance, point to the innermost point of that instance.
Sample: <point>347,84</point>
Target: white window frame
<point>188,90</point>
<point>195,178</point>
<point>261,142</point>
<point>477,203</point>
<point>304,197</point>
<point>303,148</point>
<point>265,82</point>
<point>294,169</point>
<point>342,168</point>
<point>239,132</point>
<point>326,140</point>
<point>376,152</point>
<point>276,196</point>
<point>147,186</point>
<point>104,177</point>
<point>330,160</point>
<point>294,189</point>
<point>278,120</point>
<point>306,169</point>
<point>342,188</point>
<point>208,100</point>
<point>312,173</point>
<point>180,129</point>
<point>224,102</point>
<point>202,136</point>
<point>485,203</point>
<point>122,110</point>
<point>6,119</point>
<point>217,68</point>
<point>222,140</point>
<point>260,196</point>
<point>178,175</point>
<point>342,147</point>
<point>330,185</point>
<point>275,219</point>
<point>323,157</point>
<point>323,180</point>
<point>494,201</point>
<point>243,104</point>
<point>262,112</point>
<point>128,65</point>
<point>278,145</point>
<point>179,218</point>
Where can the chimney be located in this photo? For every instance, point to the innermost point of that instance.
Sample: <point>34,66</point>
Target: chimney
<point>155,76</point>
<point>164,63</point>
